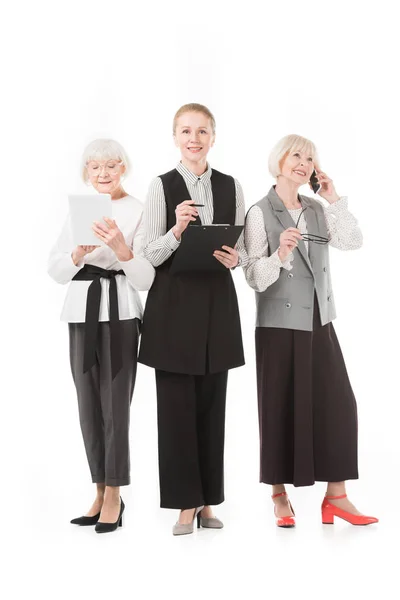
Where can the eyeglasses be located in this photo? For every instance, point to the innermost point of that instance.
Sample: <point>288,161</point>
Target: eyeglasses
<point>311,237</point>
<point>111,167</point>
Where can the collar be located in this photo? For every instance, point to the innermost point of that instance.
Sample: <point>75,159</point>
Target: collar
<point>277,203</point>
<point>190,177</point>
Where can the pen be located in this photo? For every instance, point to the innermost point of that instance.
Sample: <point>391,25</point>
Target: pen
<point>197,205</point>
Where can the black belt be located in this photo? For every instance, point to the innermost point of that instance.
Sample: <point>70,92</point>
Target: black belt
<point>88,273</point>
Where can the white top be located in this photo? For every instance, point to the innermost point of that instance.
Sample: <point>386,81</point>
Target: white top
<point>127,213</point>
<point>160,243</point>
<point>262,270</point>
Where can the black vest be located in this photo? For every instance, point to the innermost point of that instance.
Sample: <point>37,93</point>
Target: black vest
<point>191,322</point>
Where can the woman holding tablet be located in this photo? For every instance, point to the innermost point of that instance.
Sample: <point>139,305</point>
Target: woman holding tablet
<point>103,311</point>
<point>191,326</point>
<point>307,409</point>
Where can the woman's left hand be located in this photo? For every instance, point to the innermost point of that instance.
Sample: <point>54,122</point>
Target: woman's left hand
<point>113,237</point>
<point>229,259</point>
<point>327,190</point>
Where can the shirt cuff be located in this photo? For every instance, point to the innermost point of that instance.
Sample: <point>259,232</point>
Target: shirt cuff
<point>171,240</point>
<point>242,260</point>
<point>139,272</point>
<point>286,264</point>
<point>338,206</point>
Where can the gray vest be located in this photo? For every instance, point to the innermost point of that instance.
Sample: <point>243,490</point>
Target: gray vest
<point>289,302</point>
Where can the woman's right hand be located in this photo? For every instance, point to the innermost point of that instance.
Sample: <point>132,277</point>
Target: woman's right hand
<point>80,252</point>
<point>288,241</point>
<point>185,213</point>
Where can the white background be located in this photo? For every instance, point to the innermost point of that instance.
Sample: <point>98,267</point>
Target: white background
<point>76,71</point>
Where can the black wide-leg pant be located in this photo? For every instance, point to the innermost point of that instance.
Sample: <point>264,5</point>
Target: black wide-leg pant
<point>191,434</point>
<point>307,409</point>
<point>104,403</point>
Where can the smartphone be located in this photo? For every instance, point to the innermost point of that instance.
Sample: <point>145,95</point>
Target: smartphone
<point>314,182</point>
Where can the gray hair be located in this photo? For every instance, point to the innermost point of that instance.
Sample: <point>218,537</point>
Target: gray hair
<point>290,143</point>
<point>102,150</point>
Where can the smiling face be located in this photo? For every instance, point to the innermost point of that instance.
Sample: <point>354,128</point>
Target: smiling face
<point>194,137</point>
<point>297,166</point>
<point>105,175</point>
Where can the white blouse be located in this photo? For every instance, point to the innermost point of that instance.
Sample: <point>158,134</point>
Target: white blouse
<point>262,270</point>
<point>127,213</point>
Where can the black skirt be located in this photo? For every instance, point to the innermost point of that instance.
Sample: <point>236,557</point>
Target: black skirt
<point>307,409</point>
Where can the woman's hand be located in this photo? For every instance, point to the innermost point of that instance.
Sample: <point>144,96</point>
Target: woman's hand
<point>80,252</point>
<point>288,241</point>
<point>229,259</point>
<point>185,213</point>
<point>327,190</point>
<point>113,237</point>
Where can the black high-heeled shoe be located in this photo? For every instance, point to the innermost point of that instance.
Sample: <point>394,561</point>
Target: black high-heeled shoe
<point>107,527</point>
<point>85,521</point>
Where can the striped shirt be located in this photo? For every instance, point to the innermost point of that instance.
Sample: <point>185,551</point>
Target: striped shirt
<point>159,243</point>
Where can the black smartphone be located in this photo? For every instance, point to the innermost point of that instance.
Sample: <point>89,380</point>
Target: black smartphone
<point>314,182</point>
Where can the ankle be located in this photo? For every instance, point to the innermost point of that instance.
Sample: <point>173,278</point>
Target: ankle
<point>278,489</point>
<point>336,489</point>
<point>111,495</point>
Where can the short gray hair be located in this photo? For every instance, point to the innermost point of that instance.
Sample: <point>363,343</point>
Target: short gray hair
<point>103,149</point>
<point>290,143</point>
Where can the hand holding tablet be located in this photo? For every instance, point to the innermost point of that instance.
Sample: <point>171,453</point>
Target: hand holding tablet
<point>84,211</point>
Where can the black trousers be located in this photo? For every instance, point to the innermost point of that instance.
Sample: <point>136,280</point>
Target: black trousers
<point>307,409</point>
<point>104,403</point>
<point>191,435</point>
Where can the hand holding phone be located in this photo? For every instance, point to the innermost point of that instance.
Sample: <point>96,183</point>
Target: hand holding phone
<point>314,183</point>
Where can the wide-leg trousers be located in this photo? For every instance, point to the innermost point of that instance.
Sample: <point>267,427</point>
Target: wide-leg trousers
<point>191,435</point>
<point>307,409</point>
<point>104,403</point>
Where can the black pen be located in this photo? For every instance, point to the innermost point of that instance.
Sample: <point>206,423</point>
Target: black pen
<point>196,205</point>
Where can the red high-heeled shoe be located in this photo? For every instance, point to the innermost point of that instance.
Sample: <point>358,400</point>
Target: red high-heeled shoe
<point>329,511</point>
<point>284,521</point>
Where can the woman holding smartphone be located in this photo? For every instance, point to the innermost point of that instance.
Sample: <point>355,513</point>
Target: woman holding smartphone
<point>307,409</point>
<point>103,311</point>
<point>191,327</point>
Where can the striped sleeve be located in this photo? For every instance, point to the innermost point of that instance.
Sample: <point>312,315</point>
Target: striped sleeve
<point>239,220</point>
<point>159,243</point>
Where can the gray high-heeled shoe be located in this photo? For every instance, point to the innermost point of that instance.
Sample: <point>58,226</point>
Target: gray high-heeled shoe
<point>185,528</point>
<point>209,522</point>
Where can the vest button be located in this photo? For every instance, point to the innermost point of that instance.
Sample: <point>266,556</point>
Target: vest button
<point>324,269</point>
<point>288,305</point>
<point>290,275</point>
<point>329,298</point>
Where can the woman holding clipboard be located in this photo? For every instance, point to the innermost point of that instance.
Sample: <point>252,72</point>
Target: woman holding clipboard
<point>191,327</point>
<point>103,311</point>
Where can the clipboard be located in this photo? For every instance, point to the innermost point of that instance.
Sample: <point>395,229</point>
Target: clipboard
<point>198,243</point>
<point>83,210</point>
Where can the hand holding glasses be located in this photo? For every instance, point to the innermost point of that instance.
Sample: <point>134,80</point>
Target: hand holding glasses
<point>288,241</point>
<point>311,237</point>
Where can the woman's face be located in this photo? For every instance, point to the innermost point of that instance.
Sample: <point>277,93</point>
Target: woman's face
<point>297,167</point>
<point>194,136</point>
<point>105,175</point>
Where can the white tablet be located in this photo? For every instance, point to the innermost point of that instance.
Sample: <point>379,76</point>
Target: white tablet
<point>84,209</point>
